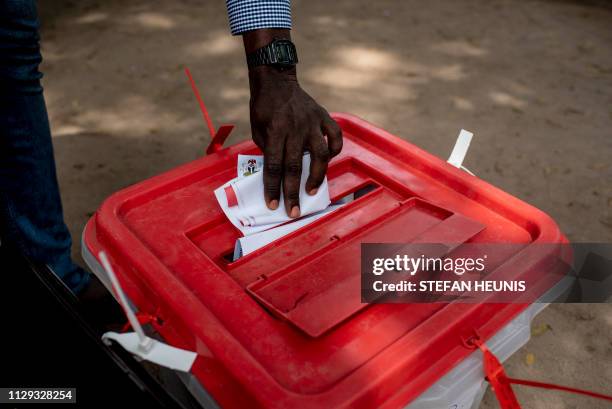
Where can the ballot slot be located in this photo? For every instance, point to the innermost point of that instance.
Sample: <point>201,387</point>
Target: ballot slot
<point>321,239</point>
<point>337,203</point>
<point>217,237</point>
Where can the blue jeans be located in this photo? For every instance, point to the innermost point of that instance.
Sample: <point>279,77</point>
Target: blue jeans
<point>31,218</point>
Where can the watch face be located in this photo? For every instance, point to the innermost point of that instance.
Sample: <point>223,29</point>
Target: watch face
<point>284,52</point>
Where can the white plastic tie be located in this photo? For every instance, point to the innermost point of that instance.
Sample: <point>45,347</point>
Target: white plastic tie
<point>460,150</point>
<point>138,343</point>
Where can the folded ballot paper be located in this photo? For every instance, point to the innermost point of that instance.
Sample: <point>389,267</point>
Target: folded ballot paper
<point>249,244</point>
<point>242,201</point>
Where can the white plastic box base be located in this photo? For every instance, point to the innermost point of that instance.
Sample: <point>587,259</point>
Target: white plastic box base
<point>462,388</point>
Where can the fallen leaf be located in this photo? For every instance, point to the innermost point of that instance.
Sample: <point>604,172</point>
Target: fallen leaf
<point>529,359</point>
<point>541,329</point>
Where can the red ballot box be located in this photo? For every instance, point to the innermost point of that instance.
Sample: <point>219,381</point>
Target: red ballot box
<point>284,326</point>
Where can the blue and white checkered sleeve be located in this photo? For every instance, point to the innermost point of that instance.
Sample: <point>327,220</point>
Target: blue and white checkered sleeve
<point>246,15</point>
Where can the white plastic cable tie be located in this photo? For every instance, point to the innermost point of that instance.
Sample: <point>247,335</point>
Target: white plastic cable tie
<point>460,150</point>
<point>159,353</point>
<point>138,343</point>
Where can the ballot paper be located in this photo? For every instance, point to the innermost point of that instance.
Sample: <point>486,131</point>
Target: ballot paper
<point>242,199</point>
<point>249,244</point>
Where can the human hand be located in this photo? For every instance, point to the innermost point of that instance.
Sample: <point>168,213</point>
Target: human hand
<point>285,123</point>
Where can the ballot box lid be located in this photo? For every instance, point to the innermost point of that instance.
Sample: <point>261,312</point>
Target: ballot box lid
<point>284,326</point>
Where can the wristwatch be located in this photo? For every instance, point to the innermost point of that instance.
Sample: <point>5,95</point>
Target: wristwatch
<point>280,53</point>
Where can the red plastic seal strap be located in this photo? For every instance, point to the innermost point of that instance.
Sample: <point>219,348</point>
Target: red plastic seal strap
<point>143,319</point>
<point>217,138</point>
<point>498,379</point>
<point>502,384</point>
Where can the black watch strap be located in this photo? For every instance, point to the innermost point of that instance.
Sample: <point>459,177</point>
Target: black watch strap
<point>278,52</point>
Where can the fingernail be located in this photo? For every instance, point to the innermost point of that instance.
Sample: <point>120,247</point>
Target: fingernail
<point>273,204</point>
<point>314,191</point>
<point>295,211</point>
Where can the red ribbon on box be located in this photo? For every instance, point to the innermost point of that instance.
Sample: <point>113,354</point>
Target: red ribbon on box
<point>502,383</point>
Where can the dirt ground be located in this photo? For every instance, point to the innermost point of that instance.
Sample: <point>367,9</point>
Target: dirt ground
<point>532,80</point>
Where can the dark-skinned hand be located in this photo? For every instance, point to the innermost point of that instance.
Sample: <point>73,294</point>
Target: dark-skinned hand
<point>285,123</point>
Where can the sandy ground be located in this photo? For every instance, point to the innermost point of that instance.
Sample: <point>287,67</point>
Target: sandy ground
<point>532,79</point>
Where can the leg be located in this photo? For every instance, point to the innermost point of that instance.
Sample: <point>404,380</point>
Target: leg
<point>31,218</point>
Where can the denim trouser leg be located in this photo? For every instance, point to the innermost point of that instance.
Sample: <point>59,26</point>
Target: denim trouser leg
<point>31,218</point>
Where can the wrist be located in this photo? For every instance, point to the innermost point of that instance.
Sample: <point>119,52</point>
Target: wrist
<point>260,75</point>
<point>271,74</point>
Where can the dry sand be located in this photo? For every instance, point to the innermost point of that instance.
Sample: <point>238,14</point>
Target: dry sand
<point>532,79</point>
